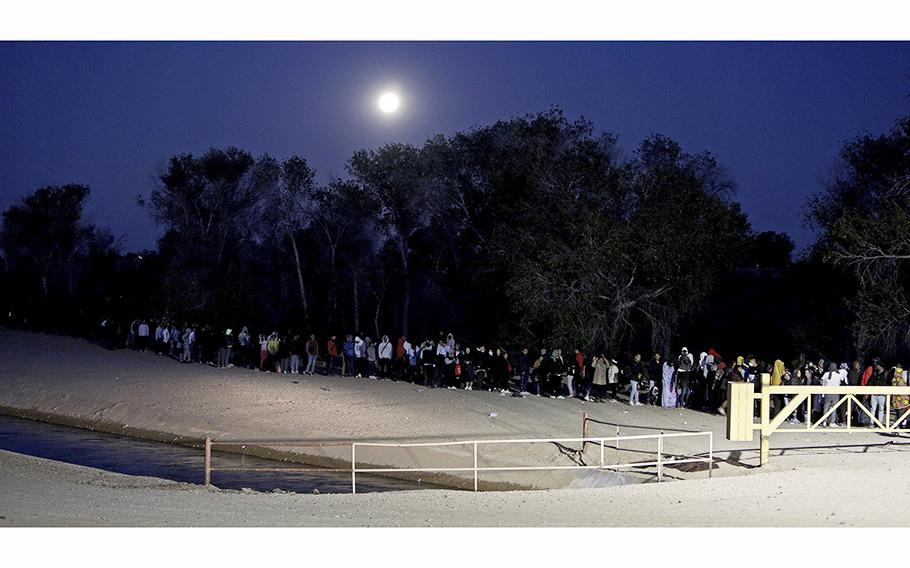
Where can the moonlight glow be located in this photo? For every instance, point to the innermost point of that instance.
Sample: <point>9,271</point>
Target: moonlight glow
<point>388,102</point>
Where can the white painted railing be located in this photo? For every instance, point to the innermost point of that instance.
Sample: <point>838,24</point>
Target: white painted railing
<point>660,462</point>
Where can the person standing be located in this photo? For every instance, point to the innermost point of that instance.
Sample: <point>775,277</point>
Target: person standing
<point>360,353</point>
<point>143,335</point>
<point>274,347</point>
<point>832,378</point>
<point>401,360</point>
<point>407,356</point>
<point>244,343</point>
<point>312,353</point>
<point>584,386</point>
<point>189,340</point>
<point>159,337</point>
<point>440,362</point>
<point>263,351</point>
<point>524,369</point>
<point>600,366</point>
<point>350,353</point>
<point>295,348</point>
<point>668,387</point>
<point>684,366</point>
<point>901,402</point>
<point>371,357</point>
<point>777,379</point>
<point>541,369</point>
<point>385,358</point>
<point>427,361</point>
<point>636,379</point>
<point>613,380</point>
<point>331,355</point>
<point>879,378</point>
<point>411,354</point>
<point>166,340</point>
<point>224,350</point>
<point>654,374</point>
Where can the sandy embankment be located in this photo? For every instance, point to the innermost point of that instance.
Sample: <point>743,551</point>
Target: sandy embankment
<point>70,381</point>
<point>39,492</point>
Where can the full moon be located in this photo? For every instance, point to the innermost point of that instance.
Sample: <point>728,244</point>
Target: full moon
<point>388,102</point>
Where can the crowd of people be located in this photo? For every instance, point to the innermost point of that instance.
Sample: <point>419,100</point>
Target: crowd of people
<point>678,381</point>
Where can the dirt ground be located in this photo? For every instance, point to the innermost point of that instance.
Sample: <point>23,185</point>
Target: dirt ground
<point>72,381</point>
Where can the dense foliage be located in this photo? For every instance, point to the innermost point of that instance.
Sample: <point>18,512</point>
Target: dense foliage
<point>864,218</point>
<point>533,230</point>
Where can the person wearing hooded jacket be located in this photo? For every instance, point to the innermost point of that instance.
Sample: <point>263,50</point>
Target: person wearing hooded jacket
<point>777,379</point>
<point>879,378</point>
<point>349,351</point>
<point>599,364</point>
<point>385,358</point>
<point>360,353</point>
<point>684,366</point>
<point>312,353</point>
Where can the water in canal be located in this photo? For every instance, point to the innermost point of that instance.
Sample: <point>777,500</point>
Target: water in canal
<point>133,456</point>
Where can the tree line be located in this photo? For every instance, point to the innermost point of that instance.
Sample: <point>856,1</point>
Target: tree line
<point>532,230</point>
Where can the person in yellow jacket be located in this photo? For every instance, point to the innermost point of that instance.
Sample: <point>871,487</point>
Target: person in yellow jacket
<point>778,374</point>
<point>900,401</point>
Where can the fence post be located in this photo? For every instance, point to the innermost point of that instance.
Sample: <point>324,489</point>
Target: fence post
<point>660,460</point>
<point>764,447</point>
<point>475,466</point>
<point>809,412</point>
<point>584,431</point>
<point>887,412</point>
<point>710,453</point>
<point>208,461</point>
<point>849,411</point>
<point>353,468</point>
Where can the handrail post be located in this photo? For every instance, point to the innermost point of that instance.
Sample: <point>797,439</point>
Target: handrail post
<point>584,431</point>
<point>208,461</point>
<point>660,453</point>
<point>765,444</point>
<point>353,468</point>
<point>475,466</point>
<point>710,453</point>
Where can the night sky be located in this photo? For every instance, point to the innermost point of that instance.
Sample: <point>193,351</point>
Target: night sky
<point>109,115</point>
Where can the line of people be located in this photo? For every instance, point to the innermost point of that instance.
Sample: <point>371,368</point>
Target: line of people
<point>680,381</point>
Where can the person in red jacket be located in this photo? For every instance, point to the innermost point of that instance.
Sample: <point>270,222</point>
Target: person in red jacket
<point>400,362</point>
<point>331,352</point>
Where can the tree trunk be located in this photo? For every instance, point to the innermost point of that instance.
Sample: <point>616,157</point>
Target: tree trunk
<point>356,306</point>
<point>333,288</point>
<point>406,301</point>
<point>299,277</point>
<point>376,315</point>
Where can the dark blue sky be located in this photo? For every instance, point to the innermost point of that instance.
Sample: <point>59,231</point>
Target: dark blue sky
<point>110,114</point>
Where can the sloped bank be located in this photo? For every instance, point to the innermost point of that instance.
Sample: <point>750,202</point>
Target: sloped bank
<point>71,382</point>
<point>330,457</point>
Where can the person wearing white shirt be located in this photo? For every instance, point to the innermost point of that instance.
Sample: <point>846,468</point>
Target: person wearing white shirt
<point>385,357</point>
<point>832,378</point>
<point>143,336</point>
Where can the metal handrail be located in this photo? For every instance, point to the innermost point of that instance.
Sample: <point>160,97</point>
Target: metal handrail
<point>660,462</point>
